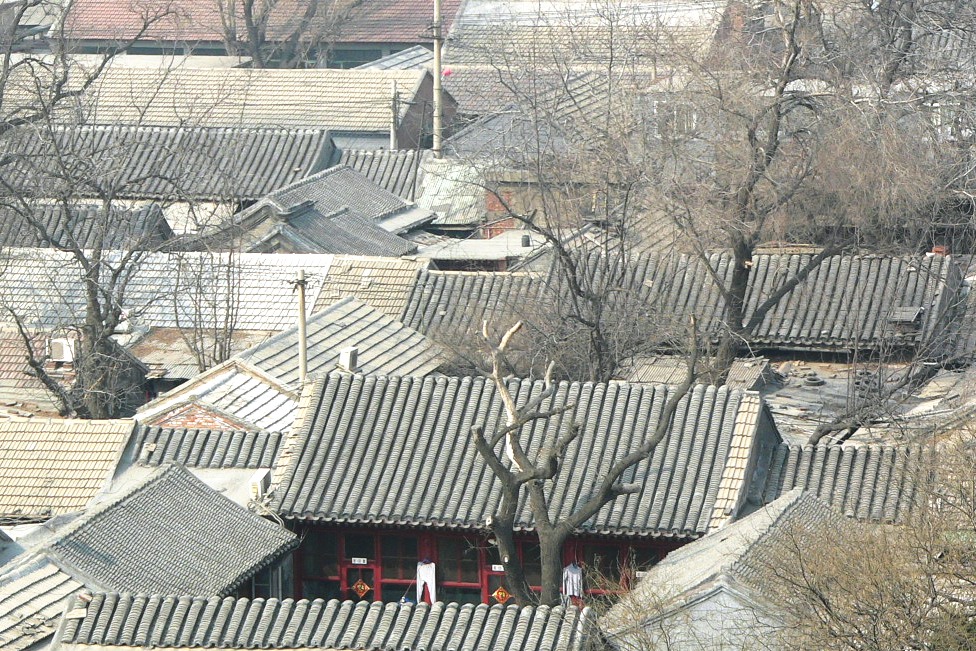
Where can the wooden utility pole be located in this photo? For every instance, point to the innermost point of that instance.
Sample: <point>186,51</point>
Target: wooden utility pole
<point>302,334</point>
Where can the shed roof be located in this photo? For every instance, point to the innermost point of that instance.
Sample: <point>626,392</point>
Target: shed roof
<point>168,534</point>
<point>318,98</point>
<point>404,448</point>
<point>198,622</point>
<point>51,466</point>
<point>171,162</point>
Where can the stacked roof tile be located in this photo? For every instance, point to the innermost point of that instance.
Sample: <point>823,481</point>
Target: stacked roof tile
<point>404,450</point>
<point>169,534</point>
<point>51,467</point>
<point>194,622</point>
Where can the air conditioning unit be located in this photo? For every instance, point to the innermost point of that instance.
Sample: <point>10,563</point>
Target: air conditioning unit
<point>260,483</point>
<point>62,350</point>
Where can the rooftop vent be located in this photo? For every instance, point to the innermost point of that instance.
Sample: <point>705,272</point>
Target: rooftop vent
<point>349,359</point>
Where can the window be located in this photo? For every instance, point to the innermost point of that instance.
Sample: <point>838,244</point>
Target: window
<point>399,556</point>
<point>320,566</point>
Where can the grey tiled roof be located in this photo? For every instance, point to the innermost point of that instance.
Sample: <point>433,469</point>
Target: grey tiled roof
<point>865,482</point>
<point>459,300</point>
<point>172,163</point>
<point>195,622</point>
<point>846,302</point>
<point>33,592</point>
<point>416,57</point>
<point>205,448</point>
<point>85,226</point>
<point>166,290</point>
<point>751,374</point>
<point>385,345</point>
<point>404,449</point>
<point>169,534</point>
<point>398,171</point>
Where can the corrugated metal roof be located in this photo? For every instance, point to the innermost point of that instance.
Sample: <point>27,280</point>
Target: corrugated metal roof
<point>51,467</point>
<point>385,346</point>
<point>404,449</point>
<point>318,98</point>
<point>197,622</point>
<point>206,448</point>
<point>398,170</point>
<point>86,226</point>
<point>865,482</point>
<point>382,283</point>
<point>169,534</point>
<point>209,291</point>
<point>33,594</point>
<point>171,162</point>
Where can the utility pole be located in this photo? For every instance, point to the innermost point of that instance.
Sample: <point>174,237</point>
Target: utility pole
<point>438,100</point>
<point>394,115</point>
<point>302,334</point>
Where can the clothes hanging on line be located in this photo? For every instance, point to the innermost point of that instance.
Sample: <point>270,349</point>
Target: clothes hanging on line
<point>425,576</point>
<point>572,582</point>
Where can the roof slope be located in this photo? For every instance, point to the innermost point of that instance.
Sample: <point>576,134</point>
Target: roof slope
<point>865,482</point>
<point>739,556</point>
<point>184,290</point>
<point>85,226</point>
<point>172,162</point>
<point>382,283</point>
<point>397,170</point>
<point>51,467</point>
<point>846,302</point>
<point>205,448</point>
<point>385,346</point>
<point>319,98</point>
<point>33,591</point>
<point>404,448</point>
<point>195,622</point>
<point>169,534</point>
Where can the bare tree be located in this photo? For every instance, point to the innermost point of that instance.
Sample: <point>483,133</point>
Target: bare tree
<point>520,474</point>
<point>777,127</point>
<point>283,33</point>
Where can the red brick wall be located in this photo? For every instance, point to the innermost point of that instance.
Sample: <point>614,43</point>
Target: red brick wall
<point>195,417</point>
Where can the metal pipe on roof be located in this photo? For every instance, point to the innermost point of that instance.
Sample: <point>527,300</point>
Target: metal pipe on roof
<point>394,110</point>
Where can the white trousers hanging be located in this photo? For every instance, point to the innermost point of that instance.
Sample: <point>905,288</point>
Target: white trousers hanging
<point>425,576</point>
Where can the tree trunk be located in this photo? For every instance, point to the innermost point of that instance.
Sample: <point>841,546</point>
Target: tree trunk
<point>734,333</point>
<point>551,548</point>
<point>504,530</point>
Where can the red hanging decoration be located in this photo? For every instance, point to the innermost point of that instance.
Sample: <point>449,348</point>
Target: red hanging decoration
<point>360,588</point>
<point>501,595</point>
